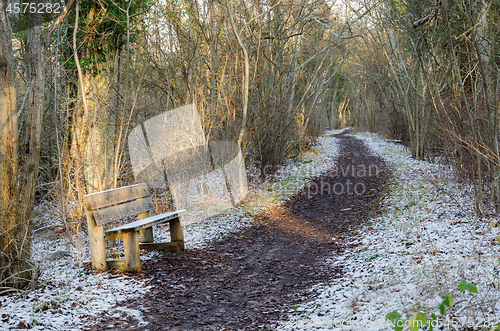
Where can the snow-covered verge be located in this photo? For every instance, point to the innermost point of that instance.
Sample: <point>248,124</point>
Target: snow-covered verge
<point>411,257</point>
<point>68,297</point>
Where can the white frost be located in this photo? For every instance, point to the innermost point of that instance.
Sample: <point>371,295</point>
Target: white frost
<point>412,256</point>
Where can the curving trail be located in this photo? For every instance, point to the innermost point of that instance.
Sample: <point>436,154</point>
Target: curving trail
<point>252,279</point>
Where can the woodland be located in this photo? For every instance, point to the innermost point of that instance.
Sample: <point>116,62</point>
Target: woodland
<point>271,76</point>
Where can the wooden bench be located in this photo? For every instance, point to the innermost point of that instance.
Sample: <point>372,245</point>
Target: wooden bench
<point>112,205</point>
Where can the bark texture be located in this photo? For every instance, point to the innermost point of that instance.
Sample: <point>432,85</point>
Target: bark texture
<point>8,149</point>
<point>17,189</point>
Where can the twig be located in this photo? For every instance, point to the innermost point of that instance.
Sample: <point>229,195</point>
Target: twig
<point>48,227</point>
<point>57,22</point>
<point>429,17</point>
<point>333,32</point>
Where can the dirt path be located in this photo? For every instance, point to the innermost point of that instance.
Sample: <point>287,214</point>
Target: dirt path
<point>251,280</point>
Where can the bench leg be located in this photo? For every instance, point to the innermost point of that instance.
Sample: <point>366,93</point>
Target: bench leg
<point>97,245</point>
<point>147,235</point>
<point>176,234</point>
<point>131,250</point>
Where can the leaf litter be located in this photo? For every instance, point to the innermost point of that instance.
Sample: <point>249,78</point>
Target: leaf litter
<point>406,259</point>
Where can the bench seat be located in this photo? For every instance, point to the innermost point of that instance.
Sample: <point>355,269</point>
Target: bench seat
<point>144,223</point>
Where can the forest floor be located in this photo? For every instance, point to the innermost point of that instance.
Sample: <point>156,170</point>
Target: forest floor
<point>346,233</point>
<point>252,279</point>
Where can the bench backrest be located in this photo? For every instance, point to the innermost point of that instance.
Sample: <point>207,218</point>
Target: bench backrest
<point>112,205</point>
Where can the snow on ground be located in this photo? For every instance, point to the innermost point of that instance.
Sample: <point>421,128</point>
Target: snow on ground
<point>412,256</point>
<point>409,259</point>
<point>68,297</point>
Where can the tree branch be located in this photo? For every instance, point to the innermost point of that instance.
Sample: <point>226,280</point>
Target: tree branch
<point>333,32</point>
<point>57,22</point>
<point>429,17</point>
<point>230,14</point>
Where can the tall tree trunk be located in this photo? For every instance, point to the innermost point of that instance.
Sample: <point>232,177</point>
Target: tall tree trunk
<point>32,141</point>
<point>8,151</point>
<point>17,198</point>
<point>246,77</point>
<point>484,53</point>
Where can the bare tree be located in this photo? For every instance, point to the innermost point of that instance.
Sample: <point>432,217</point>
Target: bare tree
<point>8,154</point>
<point>18,190</point>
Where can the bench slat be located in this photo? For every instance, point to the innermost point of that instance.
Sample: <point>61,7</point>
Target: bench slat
<point>172,246</point>
<point>132,208</point>
<point>145,223</point>
<point>116,196</point>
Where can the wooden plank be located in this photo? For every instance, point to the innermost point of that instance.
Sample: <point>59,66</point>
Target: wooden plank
<point>171,247</point>
<point>176,233</point>
<point>96,240</point>
<point>146,235</point>
<point>145,223</point>
<point>132,208</point>
<point>131,250</point>
<point>113,197</point>
<point>113,236</point>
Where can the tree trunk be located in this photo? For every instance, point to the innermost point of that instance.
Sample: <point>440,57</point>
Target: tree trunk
<point>32,143</point>
<point>17,199</point>
<point>8,151</point>
<point>246,77</point>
